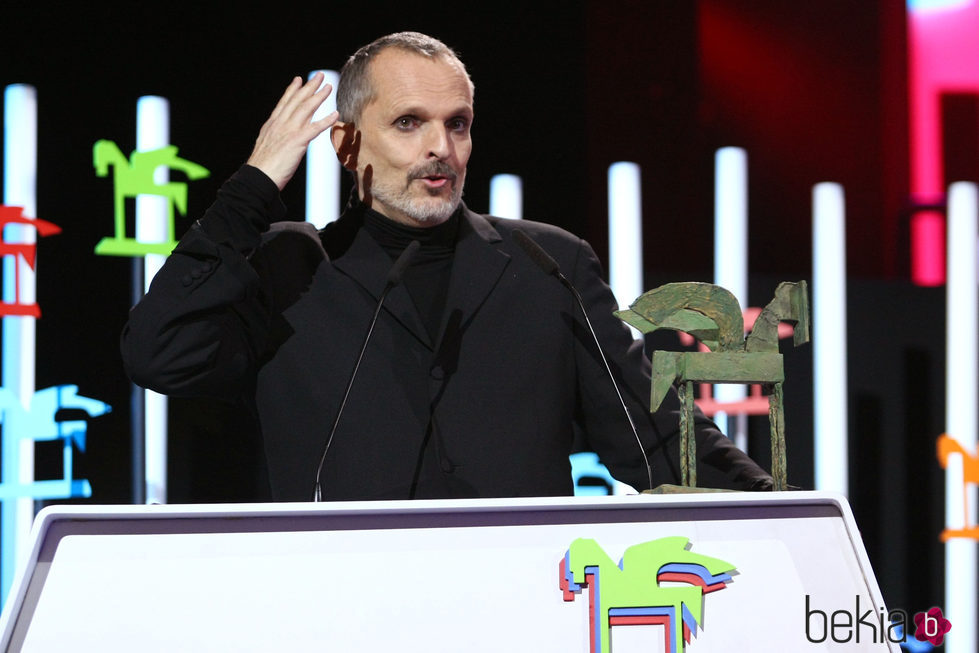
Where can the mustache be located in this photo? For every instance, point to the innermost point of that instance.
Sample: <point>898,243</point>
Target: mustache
<point>435,168</point>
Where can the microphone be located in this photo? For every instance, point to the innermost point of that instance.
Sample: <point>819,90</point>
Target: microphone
<point>550,267</point>
<point>394,278</point>
<point>400,265</point>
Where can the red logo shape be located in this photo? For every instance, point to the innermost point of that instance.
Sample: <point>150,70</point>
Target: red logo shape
<point>931,626</point>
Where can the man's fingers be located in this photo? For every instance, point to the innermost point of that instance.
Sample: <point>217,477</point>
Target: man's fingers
<point>286,97</point>
<point>309,98</point>
<point>317,127</point>
<point>284,137</point>
<point>324,123</point>
<point>297,93</point>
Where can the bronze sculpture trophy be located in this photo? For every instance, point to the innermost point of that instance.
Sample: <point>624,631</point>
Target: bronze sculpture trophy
<point>713,316</point>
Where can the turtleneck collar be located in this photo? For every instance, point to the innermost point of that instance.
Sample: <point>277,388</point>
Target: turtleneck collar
<point>393,236</point>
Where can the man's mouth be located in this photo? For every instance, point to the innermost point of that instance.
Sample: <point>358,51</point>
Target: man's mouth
<point>435,176</point>
<point>436,181</point>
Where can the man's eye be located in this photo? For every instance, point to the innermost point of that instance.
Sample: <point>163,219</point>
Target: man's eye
<point>406,122</point>
<point>458,124</point>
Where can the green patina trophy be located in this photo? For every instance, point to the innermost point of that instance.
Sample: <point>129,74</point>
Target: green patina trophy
<point>713,316</point>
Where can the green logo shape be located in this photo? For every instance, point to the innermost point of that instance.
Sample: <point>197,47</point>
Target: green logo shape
<point>134,176</point>
<point>630,592</point>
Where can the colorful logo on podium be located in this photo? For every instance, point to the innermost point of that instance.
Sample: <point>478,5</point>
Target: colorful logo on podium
<point>630,592</point>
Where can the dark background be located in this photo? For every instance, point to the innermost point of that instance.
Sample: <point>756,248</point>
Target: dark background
<point>814,91</point>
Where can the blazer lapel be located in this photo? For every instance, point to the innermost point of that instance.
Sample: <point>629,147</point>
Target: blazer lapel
<point>476,269</point>
<point>368,264</point>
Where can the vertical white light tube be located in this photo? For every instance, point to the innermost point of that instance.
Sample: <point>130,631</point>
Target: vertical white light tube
<point>625,232</point>
<point>322,166</point>
<point>506,196</point>
<point>152,222</point>
<point>961,417</point>
<point>625,270</point>
<point>829,338</point>
<point>731,261</point>
<point>19,189</point>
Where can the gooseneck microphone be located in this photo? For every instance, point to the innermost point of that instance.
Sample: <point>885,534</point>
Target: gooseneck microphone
<point>394,278</point>
<point>549,266</point>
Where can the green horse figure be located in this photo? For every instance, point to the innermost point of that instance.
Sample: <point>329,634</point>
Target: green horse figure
<point>712,315</point>
<point>629,593</point>
<point>134,176</point>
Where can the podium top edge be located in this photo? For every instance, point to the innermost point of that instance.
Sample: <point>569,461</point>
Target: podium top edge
<point>431,506</point>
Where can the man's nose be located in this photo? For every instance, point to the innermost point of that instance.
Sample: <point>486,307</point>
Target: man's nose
<point>439,144</point>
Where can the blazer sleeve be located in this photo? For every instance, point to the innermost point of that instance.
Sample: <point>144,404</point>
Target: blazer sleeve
<point>720,463</point>
<point>202,324</point>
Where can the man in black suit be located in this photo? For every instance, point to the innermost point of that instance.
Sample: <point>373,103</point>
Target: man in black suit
<point>480,374</point>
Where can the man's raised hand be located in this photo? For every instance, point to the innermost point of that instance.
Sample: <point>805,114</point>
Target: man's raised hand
<point>283,139</point>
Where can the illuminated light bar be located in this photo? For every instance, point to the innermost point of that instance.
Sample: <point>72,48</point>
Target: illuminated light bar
<point>625,270</point>
<point>731,263</point>
<point>152,223</point>
<point>19,332</point>
<point>322,166</point>
<point>829,338</point>
<point>928,248</point>
<point>625,232</point>
<point>942,55</point>
<point>961,417</point>
<point>506,197</point>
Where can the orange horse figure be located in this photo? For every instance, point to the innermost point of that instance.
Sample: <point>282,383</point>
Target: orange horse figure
<point>948,445</point>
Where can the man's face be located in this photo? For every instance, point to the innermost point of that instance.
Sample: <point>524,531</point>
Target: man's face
<point>414,140</point>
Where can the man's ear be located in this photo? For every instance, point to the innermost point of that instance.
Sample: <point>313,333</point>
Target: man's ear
<point>344,137</point>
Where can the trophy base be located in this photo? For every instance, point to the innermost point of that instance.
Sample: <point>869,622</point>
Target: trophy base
<point>668,488</point>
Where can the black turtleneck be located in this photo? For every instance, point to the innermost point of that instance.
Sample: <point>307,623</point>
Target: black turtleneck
<point>427,278</point>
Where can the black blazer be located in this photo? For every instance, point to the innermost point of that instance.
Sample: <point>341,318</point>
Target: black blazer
<point>274,318</point>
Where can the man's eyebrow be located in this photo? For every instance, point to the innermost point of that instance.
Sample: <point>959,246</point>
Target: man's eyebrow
<point>406,109</point>
<point>421,111</point>
<point>462,112</point>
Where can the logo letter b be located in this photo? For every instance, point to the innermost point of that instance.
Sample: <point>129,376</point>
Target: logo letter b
<point>809,615</point>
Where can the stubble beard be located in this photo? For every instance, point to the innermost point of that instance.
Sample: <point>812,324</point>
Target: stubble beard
<point>429,211</point>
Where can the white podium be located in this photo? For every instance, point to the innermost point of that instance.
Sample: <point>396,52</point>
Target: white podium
<point>724,572</point>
